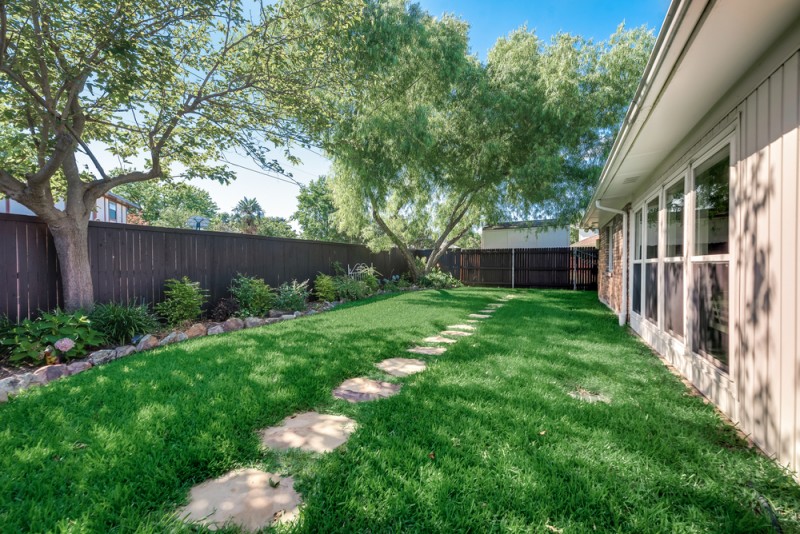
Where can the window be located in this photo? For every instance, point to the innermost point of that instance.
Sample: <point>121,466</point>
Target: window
<point>673,259</point>
<point>112,211</point>
<point>636,293</point>
<point>651,261</point>
<point>709,268</point>
<point>610,249</point>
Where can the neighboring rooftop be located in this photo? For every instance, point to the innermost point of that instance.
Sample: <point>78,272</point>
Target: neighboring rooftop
<point>590,241</point>
<point>537,223</point>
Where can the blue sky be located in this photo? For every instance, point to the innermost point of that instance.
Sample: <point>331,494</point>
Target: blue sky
<point>489,20</point>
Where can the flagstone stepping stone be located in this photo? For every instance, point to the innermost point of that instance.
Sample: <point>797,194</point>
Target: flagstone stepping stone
<point>587,396</point>
<point>438,339</point>
<point>479,316</point>
<point>428,351</point>
<point>461,327</point>
<point>488,311</point>
<point>365,389</point>
<point>495,305</point>
<point>248,498</point>
<point>309,431</point>
<point>456,333</point>
<point>401,366</point>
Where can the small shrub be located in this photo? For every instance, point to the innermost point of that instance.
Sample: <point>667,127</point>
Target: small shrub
<point>292,297</point>
<point>119,323</point>
<point>184,301</point>
<point>253,295</point>
<point>347,288</point>
<point>225,309</point>
<point>437,279</point>
<point>29,339</point>
<point>325,288</point>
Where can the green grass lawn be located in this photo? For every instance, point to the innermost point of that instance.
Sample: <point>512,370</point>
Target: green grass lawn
<point>486,439</point>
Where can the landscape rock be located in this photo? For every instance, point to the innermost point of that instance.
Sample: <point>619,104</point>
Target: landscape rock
<point>25,380</point>
<point>298,314</point>
<point>312,312</point>
<point>48,373</point>
<point>196,330</point>
<point>3,396</point>
<point>277,313</point>
<point>147,342</point>
<point>126,350</point>
<point>252,322</point>
<point>78,367</point>
<point>272,320</point>
<point>173,337</point>
<point>234,323</point>
<point>287,317</point>
<point>216,329</point>
<point>12,384</point>
<point>99,357</point>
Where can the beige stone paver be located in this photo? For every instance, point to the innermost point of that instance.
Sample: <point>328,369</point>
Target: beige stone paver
<point>479,316</point>
<point>588,396</point>
<point>456,333</point>
<point>428,351</point>
<point>461,327</point>
<point>495,305</point>
<point>438,339</point>
<point>365,389</point>
<point>489,310</point>
<point>309,431</point>
<point>248,498</point>
<point>401,366</point>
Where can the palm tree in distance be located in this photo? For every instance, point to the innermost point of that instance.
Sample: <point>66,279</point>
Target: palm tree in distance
<point>247,213</point>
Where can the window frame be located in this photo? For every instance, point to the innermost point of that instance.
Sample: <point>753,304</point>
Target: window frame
<point>658,195</point>
<point>115,208</point>
<point>683,175</point>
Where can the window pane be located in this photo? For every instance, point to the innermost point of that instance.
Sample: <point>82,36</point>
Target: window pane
<point>675,220</point>
<point>637,235</point>
<point>651,292</point>
<point>710,301</point>
<point>637,288</point>
<point>673,298</point>
<point>652,229</point>
<point>711,186</point>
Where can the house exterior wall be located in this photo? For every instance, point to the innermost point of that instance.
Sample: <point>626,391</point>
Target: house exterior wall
<point>609,282</point>
<point>760,389</point>
<point>524,238</point>
<point>100,213</point>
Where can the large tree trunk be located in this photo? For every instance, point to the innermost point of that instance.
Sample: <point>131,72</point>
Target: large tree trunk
<point>72,245</point>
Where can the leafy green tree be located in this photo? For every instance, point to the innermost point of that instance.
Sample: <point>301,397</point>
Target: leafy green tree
<point>434,142</point>
<point>247,214</point>
<point>175,82</point>
<point>275,227</point>
<point>316,212</point>
<point>160,202</point>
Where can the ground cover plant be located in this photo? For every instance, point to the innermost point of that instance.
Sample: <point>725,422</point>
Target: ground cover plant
<point>486,439</point>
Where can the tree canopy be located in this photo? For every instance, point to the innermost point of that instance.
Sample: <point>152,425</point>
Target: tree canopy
<point>169,203</point>
<point>316,212</point>
<point>434,142</point>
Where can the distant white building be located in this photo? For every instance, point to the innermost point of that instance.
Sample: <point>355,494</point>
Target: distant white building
<point>525,234</point>
<point>110,208</point>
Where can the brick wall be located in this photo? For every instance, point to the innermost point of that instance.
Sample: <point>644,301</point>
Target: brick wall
<point>609,285</point>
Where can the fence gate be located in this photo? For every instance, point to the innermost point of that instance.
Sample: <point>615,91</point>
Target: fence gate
<point>561,268</point>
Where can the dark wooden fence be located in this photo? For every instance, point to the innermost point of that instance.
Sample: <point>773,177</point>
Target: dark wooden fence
<point>132,262</point>
<point>564,268</point>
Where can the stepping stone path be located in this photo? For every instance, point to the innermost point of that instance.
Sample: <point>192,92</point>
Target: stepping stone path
<point>401,366</point>
<point>461,327</point>
<point>471,321</point>
<point>428,351</point>
<point>248,498</point>
<point>587,396</point>
<point>309,431</point>
<point>456,333</point>
<point>479,316</point>
<point>438,339</point>
<point>495,305</point>
<point>488,311</point>
<point>365,389</point>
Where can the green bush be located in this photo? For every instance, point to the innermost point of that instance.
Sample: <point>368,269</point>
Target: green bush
<point>5,331</point>
<point>292,297</point>
<point>347,288</point>
<point>254,296</point>
<point>119,323</point>
<point>27,340</point>
<point>325,288</point>
<point>437,279</point>
<point>184,301</point>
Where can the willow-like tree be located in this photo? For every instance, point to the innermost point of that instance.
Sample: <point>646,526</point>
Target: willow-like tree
<point>436,142</point>
<point>166,81</point>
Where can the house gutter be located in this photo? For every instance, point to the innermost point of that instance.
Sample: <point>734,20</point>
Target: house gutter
<point>623,312</point>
